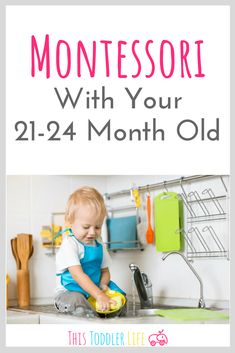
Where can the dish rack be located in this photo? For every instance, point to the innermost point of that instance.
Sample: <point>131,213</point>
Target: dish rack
<point>206,215</point>
<point>206,226</point>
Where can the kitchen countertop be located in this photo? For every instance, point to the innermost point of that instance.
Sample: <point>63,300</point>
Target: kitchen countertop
<point>47,314</point>
<point>21,317</point>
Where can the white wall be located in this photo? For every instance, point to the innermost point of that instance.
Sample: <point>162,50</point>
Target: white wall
<point>32,199</point>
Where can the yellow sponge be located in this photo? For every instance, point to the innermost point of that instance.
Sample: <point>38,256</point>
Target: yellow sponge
<point>116,296</point>
<point>110,293</point>
<point>118,304</point>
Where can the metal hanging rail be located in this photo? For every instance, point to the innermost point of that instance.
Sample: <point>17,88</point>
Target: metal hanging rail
<point>197,245</point>
<point>162,184</point>
<point>201,243</point>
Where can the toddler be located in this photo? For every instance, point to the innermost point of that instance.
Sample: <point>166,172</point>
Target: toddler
<point>82,260</point>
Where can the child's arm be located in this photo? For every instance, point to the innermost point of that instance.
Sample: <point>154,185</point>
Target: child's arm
<point>105,278</point>
<point>89,286</point>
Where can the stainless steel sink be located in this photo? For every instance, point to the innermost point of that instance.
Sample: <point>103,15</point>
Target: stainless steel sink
<point>147,311</point>
<point>153,311</point>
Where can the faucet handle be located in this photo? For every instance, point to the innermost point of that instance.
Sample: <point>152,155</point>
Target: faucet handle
<point>146,279</point>
<point>148,288</point>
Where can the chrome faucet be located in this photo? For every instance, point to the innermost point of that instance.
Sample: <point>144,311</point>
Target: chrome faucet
<point>201,303</point>
<point>143,286</point>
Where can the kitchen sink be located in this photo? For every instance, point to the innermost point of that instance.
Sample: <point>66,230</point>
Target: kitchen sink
<point>153,311</point>
<point>131,313</point>
<point>149,311</point>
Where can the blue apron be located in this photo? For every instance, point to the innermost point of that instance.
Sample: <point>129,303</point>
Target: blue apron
<point>91,265</point>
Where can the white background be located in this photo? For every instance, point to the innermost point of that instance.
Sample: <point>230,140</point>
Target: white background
<point>34,98</point>
<point>178,335</point>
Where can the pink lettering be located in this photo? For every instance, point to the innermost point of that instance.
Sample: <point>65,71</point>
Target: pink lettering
<point>183,56</point>
<point>117,58</point>
<point>92,67</point>
<point>120,57</point>
<point>58,59</point>
<point>172,60</point>
<point>150,59</point>
<point>45,54</point>
<point>136,58</point>
<point>199,74</point>
<point>106,42</point>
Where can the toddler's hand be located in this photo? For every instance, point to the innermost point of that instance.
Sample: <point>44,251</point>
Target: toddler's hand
<point>103,302</point>
<point>104,287</point>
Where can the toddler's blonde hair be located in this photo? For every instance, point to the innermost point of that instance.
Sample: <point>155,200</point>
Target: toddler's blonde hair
<point>85,195</point>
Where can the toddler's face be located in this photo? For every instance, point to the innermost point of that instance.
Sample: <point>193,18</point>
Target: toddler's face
<point>87,224</point>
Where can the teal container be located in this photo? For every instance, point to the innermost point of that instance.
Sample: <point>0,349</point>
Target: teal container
<point>122,231</point>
